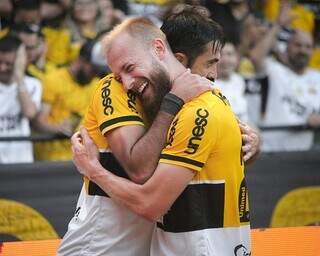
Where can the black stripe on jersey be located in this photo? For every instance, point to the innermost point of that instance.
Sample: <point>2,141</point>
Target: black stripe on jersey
<point>182,159</point>
<point>119,120</point>
<point>109,162</point>
<point>200,206</point>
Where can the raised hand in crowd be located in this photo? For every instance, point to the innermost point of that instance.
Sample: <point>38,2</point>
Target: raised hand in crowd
<point>20,65</point>
<point>28,108</point>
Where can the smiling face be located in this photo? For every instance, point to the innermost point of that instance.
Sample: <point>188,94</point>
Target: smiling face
<point>140,70</point>
<point>206,63</point>
<point>229,61</point>
<point>299,50</point>
<point>85,10</point>
<point>7,60</point>
<point>34,46</point>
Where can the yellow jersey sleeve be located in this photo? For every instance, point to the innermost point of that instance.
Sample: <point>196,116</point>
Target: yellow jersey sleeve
<point>190,138</point>
<point>113,107</point>
<point>51,88</point>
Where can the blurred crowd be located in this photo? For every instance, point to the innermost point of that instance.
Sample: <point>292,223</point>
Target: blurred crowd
<point>51,60</point>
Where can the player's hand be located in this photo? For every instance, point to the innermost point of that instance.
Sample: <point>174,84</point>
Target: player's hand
<point>85,153</point>
<point>251,141</point>
<point>188,86</point>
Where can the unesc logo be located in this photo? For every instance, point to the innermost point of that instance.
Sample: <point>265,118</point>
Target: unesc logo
<point>198,130</point>
<point>241,250</point>
<point>172,132</point>
<point>106,100</point>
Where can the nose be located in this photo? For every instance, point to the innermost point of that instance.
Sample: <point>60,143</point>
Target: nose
<point>127,81</point>
<point>3,67</point>
<point>212,76</point>
<point>305,50</point>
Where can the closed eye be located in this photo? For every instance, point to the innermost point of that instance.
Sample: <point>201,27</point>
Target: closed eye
<point>128,68</point>
<point>212,62</point>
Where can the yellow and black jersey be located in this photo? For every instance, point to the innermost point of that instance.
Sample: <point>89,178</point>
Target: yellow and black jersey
<point>205,137</point>
<point>115,229</point>
<point>111,107</point>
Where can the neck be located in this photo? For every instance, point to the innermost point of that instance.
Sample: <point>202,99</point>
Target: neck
<point>86,25</point>
<point>175,69</point>
<point>299,71</point>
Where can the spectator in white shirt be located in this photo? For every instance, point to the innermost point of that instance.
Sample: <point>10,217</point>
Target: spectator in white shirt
<point>294,89</point>
<point>231,83</point>
<point>20,98</point>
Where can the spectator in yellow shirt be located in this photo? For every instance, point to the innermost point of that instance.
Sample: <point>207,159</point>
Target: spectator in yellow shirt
<point>66,94</point>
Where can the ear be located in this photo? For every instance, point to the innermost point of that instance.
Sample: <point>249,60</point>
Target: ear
<point>159,47</point>
<point>182,58</point>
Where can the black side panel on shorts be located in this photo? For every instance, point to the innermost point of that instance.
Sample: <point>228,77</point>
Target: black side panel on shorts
<point>200,206</point>
<point>109,162</point>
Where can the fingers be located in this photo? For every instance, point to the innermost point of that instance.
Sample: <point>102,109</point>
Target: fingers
<point>89,144</point>
<point>247,147</point>
<point>85,136</point>
<point>247,156</point>
<point>246,138</point>
<point>245,129</point>
<point>184,73</point>
<point>76,138</point>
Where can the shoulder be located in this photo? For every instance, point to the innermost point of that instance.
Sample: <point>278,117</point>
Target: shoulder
<point>32,82</point>
<point>238,82</point>
<point>272,64</point>
<point>203,104</point>
<point>237,77</point>
<point>111,82</point>
<point>313,73</point>
<point>109,85</point>
<point>57,75</point>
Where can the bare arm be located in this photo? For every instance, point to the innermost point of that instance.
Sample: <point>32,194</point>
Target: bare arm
<point>28,107</point>
<point>132,146</point>
<point>150,200</point>
<point>42,124</point>
<point>263,47</point>
<point>260,51</point>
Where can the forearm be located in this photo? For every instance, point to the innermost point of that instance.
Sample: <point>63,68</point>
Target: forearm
<point>28,108</point>
<point>121,190</point>
<point>260,51</point>
<point>148,148</point>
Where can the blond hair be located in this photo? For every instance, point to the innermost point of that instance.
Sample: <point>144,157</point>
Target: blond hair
<point>139,28</point>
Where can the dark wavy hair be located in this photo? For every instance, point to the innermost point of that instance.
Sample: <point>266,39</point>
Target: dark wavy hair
<point>189,29</point>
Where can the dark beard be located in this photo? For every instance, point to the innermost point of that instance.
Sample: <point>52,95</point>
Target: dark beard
<point>299,62</point>
<point>82,78</point>
<point>160,81</point>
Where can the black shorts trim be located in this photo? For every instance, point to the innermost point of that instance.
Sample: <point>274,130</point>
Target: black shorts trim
<point>120,120</point>
<point>182,159</point>
<point>109,162</point>
<point>200,206</point>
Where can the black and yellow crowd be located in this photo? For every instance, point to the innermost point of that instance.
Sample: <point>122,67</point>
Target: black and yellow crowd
<point>58,43</point>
